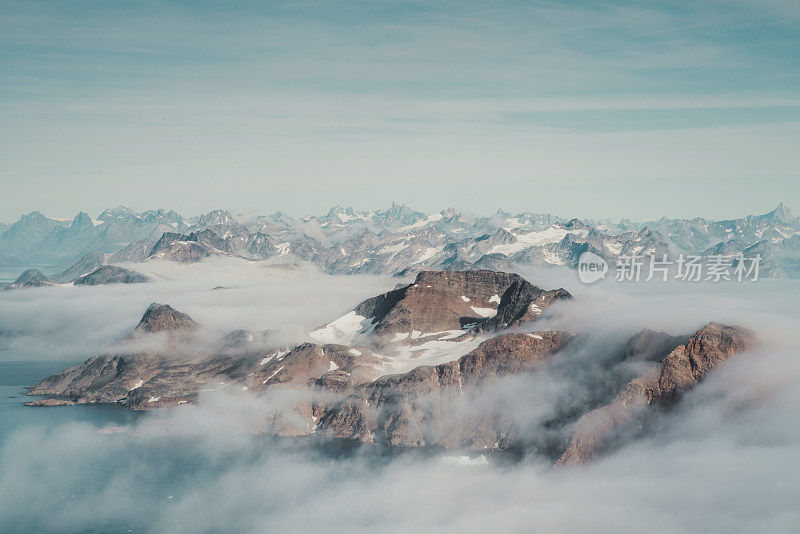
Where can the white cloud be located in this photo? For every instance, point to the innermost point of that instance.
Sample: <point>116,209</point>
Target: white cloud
<point>718,463</point>
<point>73,323</point>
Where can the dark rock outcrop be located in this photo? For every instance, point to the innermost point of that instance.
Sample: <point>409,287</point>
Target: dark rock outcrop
<point>442,301</point>
<point>520,303</point>
<point>682,369</point>
<point>150,380</point>
<point>162,317</point>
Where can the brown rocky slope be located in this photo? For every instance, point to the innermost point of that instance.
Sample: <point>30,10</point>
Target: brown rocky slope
<point>678,372</point>
<point>439,303</point>
<point>344,391</point>
<point>427,406</point>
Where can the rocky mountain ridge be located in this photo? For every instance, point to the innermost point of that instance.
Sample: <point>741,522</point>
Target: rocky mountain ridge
<point>681,370</point>
<point>90,270</point>
<point>110,274</point>
<point>443,303</point>
<point>388,382</point>
<point>398,240</point>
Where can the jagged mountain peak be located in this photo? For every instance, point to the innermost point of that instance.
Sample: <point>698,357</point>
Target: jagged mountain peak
<point>86,264</point>
<point>216,218</point>
<point>345,215</point>
<point>403,213</point>
<point>780,214</point>
<point>393,241</point>
<point>576,224</point>
<point>443,305</point>
<point>120,212</point>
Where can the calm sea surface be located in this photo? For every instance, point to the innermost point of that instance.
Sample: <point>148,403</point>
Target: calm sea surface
<point>15,376</point>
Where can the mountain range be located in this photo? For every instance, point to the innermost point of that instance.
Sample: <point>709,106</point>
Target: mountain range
<point>394,241</point>
<point>444,362</point>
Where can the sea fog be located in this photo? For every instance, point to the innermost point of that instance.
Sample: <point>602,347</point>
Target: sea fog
<point>722,461</point>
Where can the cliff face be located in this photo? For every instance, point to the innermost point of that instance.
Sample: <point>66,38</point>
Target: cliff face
<point>521,302</point>
<point>678,372</point>
<point>430,405</point>
<point>449,300</point>
<point>446,304</point>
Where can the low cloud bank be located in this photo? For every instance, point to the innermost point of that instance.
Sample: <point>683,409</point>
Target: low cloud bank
<point>73,323</point>
<point>721,461</point>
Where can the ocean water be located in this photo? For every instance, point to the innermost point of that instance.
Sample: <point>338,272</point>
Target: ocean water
<point>15,376</point>
<point>21,511</point>
<point>62,471</point>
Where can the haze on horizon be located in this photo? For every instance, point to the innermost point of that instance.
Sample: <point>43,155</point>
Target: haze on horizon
<point>245,216</point>
<point>576,108</point>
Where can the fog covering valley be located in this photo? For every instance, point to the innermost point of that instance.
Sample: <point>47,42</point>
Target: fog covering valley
<point>721,460</point>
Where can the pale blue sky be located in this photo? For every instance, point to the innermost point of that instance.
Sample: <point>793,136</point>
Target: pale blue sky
<point>596,108</point>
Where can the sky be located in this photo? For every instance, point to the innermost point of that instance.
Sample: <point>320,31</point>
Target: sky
<point>592,109</point>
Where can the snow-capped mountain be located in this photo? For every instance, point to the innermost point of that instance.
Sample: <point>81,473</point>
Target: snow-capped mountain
<point>397,240</point>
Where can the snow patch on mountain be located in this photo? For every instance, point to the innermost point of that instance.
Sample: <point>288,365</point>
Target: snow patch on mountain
<point>419,224</point>
<point>342,330</point>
